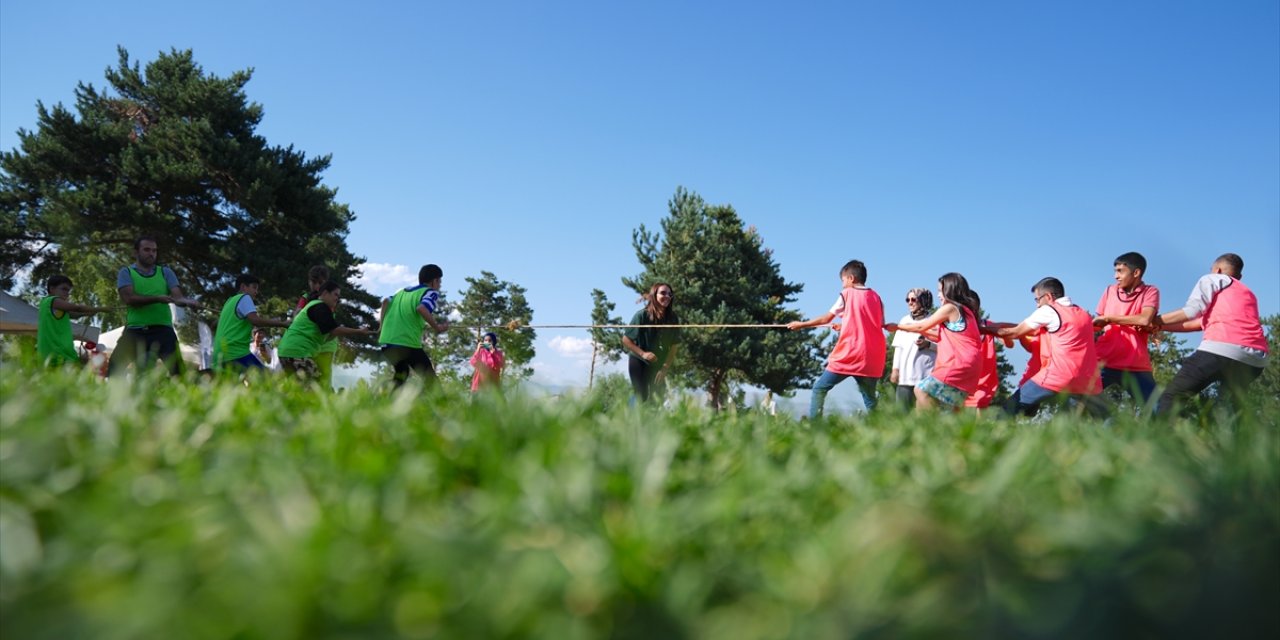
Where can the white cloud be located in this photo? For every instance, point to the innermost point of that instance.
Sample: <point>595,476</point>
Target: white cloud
<point>565,361</point>
<point>571,347</point>
<point>382,279</point>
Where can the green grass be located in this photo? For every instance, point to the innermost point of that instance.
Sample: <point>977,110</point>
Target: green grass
<point>203,511</point>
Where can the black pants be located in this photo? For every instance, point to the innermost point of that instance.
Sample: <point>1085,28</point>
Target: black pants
<point>642,379</point>
<point>406,360</point>
<point>906,396</point>
<point>140,346</point>
<point>1201,369</point>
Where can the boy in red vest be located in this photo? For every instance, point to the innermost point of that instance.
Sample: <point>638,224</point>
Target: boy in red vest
<point>1234,349</point>
<point>1068,356</point>
<point>1125,313</point>
<point>861,349</point>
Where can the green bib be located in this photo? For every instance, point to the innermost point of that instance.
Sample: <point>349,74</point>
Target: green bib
<point>234,333</point>
<point>303,338</point>
<point>53,335</point>
<point>156,313</point>
<point>403,325</point>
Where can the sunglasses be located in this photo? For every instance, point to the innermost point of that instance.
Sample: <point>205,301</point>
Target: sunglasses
<point>912,300</point>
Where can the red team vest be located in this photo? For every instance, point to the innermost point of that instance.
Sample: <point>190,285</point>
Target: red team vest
<point>988,378</point>
<point>1123,347</point>
<point>1069,357</point>
<point>959,354</point>
<point>1033,363</point>
<point>860,349</point>
<point>1232,317</point>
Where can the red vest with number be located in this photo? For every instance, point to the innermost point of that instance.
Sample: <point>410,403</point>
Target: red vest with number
<point>1232,318</point>
<point>1069,357</point>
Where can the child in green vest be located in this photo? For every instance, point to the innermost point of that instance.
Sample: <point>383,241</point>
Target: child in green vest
<point>317,276</point>
<point>310,329</point>
<point>236,325</point>
<point>403,318</point>
<point>53,331</point>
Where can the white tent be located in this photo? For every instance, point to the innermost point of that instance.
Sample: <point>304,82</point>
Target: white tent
<point>16,316</point>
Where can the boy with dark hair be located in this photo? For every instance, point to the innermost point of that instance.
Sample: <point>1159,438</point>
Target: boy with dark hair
<point>235,328</point>
<point>147,289</point>
<point>1234,348</point>
<point>861,349</point>
<point>403,317</point>
<point>1070,361</point>
<point>54,343</point>
<point>1124,314</point>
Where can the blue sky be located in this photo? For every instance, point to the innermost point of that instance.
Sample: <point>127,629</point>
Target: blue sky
<point>1004,140</point>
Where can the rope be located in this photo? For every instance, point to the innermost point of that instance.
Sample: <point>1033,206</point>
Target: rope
<point>516,325</point>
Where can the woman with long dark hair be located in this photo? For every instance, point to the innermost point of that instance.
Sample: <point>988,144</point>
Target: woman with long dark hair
<point>652,349</point>
<point>959,365</point>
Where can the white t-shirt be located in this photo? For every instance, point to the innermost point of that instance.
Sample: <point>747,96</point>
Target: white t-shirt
<point>913,363</point>
<point>245,307</point>
<point>1047,317</point>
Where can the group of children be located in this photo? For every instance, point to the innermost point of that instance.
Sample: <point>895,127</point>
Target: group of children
<point>947,358</point>
<point>306,349</point>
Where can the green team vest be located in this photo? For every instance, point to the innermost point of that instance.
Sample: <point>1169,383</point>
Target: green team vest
<point>403,325</point>
<point>156,312</point>
<point>303,338</point>
<point>234,333</point>
<point>330,345</point>
<point>53,335</point>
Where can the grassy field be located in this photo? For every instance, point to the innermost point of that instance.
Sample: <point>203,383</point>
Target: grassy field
<point>187,510</point>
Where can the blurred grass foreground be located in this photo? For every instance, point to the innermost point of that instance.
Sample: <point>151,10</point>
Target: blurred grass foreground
<point>198,510</point>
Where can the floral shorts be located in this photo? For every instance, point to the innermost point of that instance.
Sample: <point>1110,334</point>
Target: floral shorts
<point>304,367</point>
<point>942,392</point>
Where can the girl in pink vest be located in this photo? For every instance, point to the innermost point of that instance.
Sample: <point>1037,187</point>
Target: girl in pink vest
<point>954,326</point>
<point>1234,350</point>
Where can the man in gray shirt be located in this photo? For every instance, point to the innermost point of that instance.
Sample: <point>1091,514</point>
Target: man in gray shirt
<point>147,289</point>
<point>1234,349</point>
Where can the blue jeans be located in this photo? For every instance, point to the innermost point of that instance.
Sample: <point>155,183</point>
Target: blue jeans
<point>1139,384</point>
<point>1028,398</point>
<point>828,380</point>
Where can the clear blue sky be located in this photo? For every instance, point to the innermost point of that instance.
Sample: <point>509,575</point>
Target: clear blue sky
<point>1005,140</point>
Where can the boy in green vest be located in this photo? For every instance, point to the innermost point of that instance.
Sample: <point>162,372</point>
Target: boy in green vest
<point>310,329</point>
<point>147,289</point>
<point>235,328</point>
<point>53,332</point>
<point>403,317</point>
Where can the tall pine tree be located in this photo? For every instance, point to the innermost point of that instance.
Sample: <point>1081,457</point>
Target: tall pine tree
<point>172,152</point>
<point>722,274</point>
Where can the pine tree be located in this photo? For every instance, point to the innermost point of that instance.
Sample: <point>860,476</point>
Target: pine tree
<point>171,152</point>
<point>606,344</point>
<point>722,274</point>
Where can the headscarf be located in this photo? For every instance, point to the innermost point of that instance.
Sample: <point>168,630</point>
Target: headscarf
<point>924,303</point>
